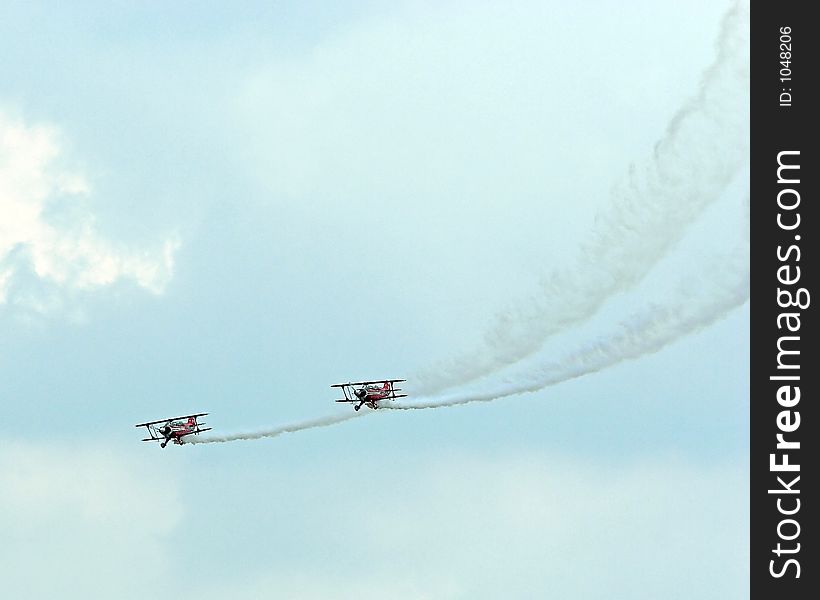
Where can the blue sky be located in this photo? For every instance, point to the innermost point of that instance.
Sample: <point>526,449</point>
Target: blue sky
<point>227,210</point>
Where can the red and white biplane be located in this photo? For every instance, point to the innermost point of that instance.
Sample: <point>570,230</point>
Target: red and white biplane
<point>369,393</point>
<point>173,429</point>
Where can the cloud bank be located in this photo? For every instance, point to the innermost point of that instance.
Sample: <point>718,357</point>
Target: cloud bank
<point>49,244</point>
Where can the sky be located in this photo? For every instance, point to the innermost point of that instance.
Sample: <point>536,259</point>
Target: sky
<point>226,208</point>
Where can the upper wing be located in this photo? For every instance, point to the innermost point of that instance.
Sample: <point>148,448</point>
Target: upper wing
<point>170,419</point>
<point>341,385</point>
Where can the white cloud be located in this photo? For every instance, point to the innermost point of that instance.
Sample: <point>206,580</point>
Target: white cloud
<point>48,243</point>
<point>82,521</point>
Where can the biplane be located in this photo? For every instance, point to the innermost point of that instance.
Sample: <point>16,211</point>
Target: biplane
<point>369,393</point>
<point>173,429</point>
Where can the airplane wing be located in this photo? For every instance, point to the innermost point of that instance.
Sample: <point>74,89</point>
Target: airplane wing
<point>341,385</point>
<point>170,419</point>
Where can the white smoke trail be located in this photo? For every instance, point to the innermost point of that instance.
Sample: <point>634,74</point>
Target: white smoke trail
<point>697,305</point>
<point>276,431</point>
<point>727,287</point>
<point>705,144</point>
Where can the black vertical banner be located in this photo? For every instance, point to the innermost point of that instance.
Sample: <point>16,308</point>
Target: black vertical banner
<point>785,223</point>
